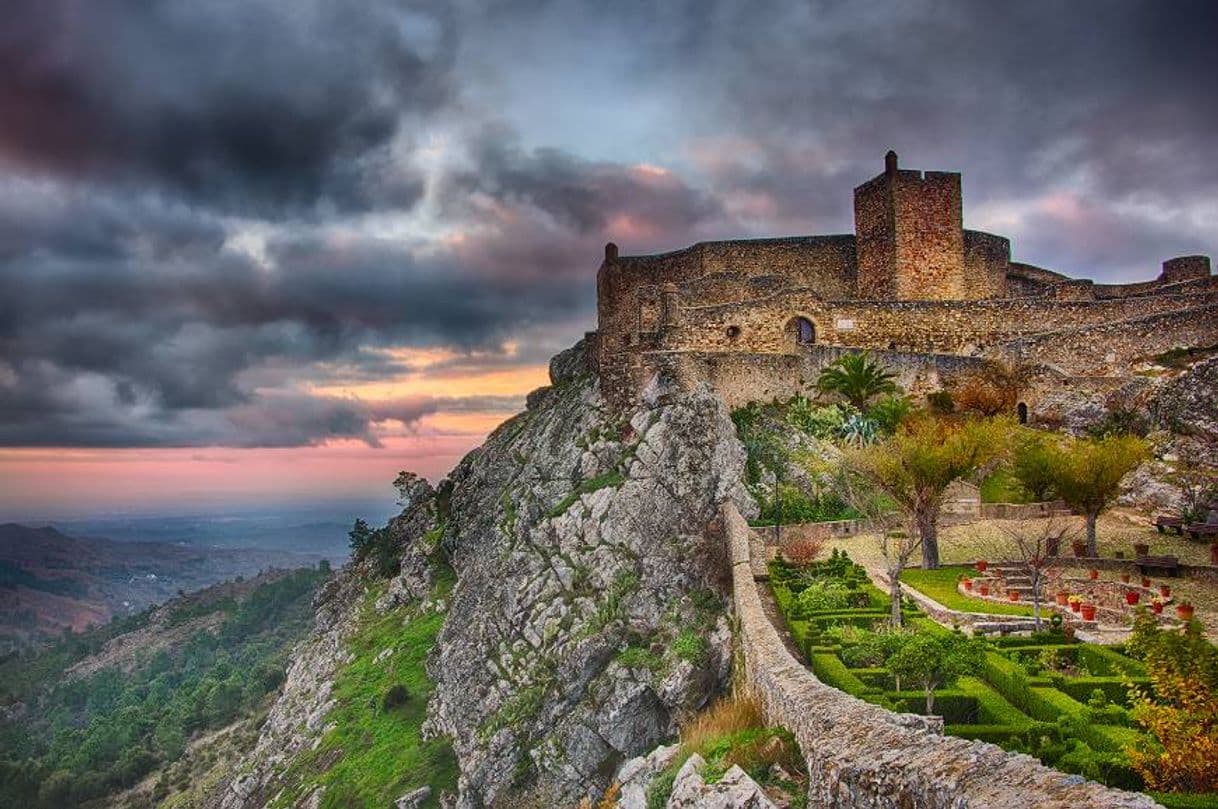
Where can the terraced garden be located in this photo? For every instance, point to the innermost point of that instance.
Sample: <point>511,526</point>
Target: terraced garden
<point>1065,702</point>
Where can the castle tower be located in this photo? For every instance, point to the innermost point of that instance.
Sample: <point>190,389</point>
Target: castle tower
<point>910,235</point>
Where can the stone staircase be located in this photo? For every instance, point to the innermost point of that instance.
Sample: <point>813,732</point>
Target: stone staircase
<point>1014,577</point>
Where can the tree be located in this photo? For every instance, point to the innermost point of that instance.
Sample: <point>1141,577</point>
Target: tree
<point>915,467</point>
<point>897,546</point>
<point>1032,464</point>
<point>856,378</point>
<point>1180,710</point>
<point>1087,473</point>
<point>1036,545</point>
<point>932,658</point>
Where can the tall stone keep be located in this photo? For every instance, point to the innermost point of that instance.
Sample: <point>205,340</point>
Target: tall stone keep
<point>910,231</point>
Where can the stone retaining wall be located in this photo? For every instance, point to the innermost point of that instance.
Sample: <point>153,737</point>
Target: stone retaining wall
<point>861,756</point>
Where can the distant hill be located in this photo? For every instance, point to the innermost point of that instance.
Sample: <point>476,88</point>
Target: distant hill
<point>50,581</point>
<point>150,708</point>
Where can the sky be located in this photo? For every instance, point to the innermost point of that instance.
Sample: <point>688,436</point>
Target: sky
<point>277,250</point>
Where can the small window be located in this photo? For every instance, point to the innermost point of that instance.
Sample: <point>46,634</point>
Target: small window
<point>733,332</point>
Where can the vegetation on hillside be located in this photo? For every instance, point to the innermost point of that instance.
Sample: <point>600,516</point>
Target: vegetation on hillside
<point>78,739</point>
<point>373,751</point>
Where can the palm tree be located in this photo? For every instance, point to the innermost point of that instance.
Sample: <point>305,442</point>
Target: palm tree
<point>856,378</point>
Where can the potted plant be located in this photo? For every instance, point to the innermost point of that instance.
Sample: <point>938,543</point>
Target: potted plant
<point>1141,549</point>
<point>1088,612</point>
<point>1125,577</point>
<point>1079,547</point>
<point>1013,595</point>
<point>1146,582</point>
<point>1156,605</point>
<point>1063,598</point>
<point>1184,611</point>
<point>984,588</point>
<point>968,583</point>
<point>981,565</point>
<point>1093,574</point>
<point>1131,597</point>
<point>1165,590</point>
<point>1075,603</point>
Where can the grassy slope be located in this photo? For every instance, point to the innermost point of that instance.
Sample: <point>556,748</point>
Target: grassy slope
<point>941,586</point>
<point>382,753</point>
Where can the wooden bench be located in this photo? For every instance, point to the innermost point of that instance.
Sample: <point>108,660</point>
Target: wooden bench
<point>1164,522</point>
<point>1201,530</point>
<point>1160,565</point>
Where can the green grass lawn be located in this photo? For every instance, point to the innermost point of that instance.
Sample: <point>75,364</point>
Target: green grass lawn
<point>941,586</point>
<point>381,754</point>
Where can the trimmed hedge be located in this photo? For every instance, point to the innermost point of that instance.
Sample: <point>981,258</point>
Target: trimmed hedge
<point>992,708</point>
<point>830,670</point>
<point>1104,662</point>
<point>1115,689</point>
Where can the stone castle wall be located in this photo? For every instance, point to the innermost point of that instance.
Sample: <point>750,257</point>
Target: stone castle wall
<point>910,280</point>
<point>742,378</point>
<point>861,756</point>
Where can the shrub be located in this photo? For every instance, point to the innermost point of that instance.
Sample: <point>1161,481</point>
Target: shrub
<point>990,391</point>
<point>816,421</point>
<point>941,402</point>
<point>804,550</point>
<point>889,411</point>
<point>823,595</point>
<point>397,696</point>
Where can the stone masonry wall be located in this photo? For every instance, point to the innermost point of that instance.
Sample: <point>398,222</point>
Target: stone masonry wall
<point>933,326</point>
<point>743,378</point>
<point>1109,349</point>
<point>861,756</point>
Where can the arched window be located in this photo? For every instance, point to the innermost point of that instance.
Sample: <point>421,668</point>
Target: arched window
<point>1022,410</point>
<point>805,332</point>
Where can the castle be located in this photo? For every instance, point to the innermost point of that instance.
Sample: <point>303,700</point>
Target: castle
<point>757,319</point>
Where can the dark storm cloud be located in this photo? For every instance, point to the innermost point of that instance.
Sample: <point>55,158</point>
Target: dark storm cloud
<point>186,188</point>
<point>581,194</point>
<point>268,105</point>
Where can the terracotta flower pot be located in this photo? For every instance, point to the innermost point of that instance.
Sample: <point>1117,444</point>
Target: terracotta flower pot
<point>1093,573</point>
<point>1079,548</point>
<point>981,565</point>
<point>1125,577</point>
<point>1088,612</point>
<point>1075,606</point>
<point>1063,599</point>
<point>1156,608</point>
<point>1141,549</point>
<point>985,589</point>
<point>968,585</point>
<point>1146,582</point>
<point>1131,597</point>
<point>1013,595</point>
<point>1214,554</point>
<point>1184,612</point>
<point>1165,590</point>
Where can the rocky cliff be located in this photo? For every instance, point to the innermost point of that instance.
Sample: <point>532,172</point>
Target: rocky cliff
<point>589,612</point>
<point>585,589</point>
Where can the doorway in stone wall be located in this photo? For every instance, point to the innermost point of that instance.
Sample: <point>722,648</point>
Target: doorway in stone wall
<point>802,330</point>
<point>1022,410</point>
